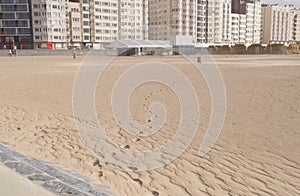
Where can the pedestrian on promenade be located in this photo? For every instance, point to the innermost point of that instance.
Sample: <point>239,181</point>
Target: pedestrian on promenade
<point>74,54</point>
<point>15,50</point>
<point>10,53</point>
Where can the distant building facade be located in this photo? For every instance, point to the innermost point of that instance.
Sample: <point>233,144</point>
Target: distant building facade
<point>74,22</point>
<point>104,21</point>
<point>49,24</point>
<point>218,22</point>
<point>15,24</point>
<point>131,19</point>
<point>63,23</point>
<point>246,24</point>
<point>169,18</point>
<point>277,26</point>
<point>238,28</point>
<point>296,25</point>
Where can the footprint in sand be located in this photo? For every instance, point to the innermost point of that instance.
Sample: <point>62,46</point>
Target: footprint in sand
<point>139,181</point>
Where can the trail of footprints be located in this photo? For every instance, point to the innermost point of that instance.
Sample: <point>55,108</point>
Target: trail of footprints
<point>222,172</point>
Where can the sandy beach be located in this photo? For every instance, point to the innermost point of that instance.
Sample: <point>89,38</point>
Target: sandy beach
<point>257,152</point>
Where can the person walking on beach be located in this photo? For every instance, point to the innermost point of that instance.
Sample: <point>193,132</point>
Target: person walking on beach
<point>10,53</point>
<point>15,50</point>
<point>74,54</point>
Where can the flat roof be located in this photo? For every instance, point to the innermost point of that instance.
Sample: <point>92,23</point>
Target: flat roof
<point>139,44</point>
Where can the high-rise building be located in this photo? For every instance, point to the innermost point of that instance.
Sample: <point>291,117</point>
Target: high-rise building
<point>238,28</point>
<point>145,19</point>
<point>296,25</point>
<point>49,24</point>
<point>247,18</point>
<point>172,17</point>
<point>206,21</point>
<point>15,24</point>
<point>214,22</point>
<point>277,25</point>
<point>131,19</point>
<point>104,17</point>
<point>61,23</point>
<point>74,21</point>
<point>107,21</point>
<point>202,21</point>
<point>87,22</point>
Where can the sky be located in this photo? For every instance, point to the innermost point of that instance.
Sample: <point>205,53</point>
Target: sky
<point>284,2</point>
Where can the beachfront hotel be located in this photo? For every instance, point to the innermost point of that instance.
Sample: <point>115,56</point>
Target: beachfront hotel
<point>15,24</point>
<point>280,25</point>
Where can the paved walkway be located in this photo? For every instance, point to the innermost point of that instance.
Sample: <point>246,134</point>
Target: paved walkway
<point>32,172</point>
<point>14,184</point>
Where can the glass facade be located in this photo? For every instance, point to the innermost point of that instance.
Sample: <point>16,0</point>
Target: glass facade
<point>15,24</point>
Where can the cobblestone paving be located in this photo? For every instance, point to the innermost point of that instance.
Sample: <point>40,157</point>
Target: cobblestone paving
<point>57,180</point>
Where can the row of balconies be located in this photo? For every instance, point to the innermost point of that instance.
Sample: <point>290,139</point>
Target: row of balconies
<point>14,8</point>
<point>8,2</point>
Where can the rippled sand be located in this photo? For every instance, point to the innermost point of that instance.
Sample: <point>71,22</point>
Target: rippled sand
<point>256,153</point>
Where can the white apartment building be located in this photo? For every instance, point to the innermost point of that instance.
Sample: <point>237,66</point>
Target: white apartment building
<point>49,23</point>
<point>104,16</point>
<point>257,22</point>
<point>277,26</point>
<point>172,17</point>
<point>246,24</point>
<point>296,25</point>
<point>202,21</point>
<point>253,22</point>
<point>117,19</point>
<point>238,29</point>
<point>226,27</point>
<point>145,19</point>
<point>131,19</point>
<point>214,21</point>
<point>218,25</point>
<point>75,23</point>
<point>207,21</point>
<point>88,22</point>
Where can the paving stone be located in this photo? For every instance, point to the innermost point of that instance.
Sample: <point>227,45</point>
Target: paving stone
<point>70,191</point>
<point>11,153</point>
<point>25,169</point>
<point>67,178</point>
<point>40,177</point>
<point>61,189</point>
<point>58,180</point>
<point>5,158</point>
<point>83,186</point>
<point>41,166</point>
<point>95,193</point>
<point>12,165</point>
